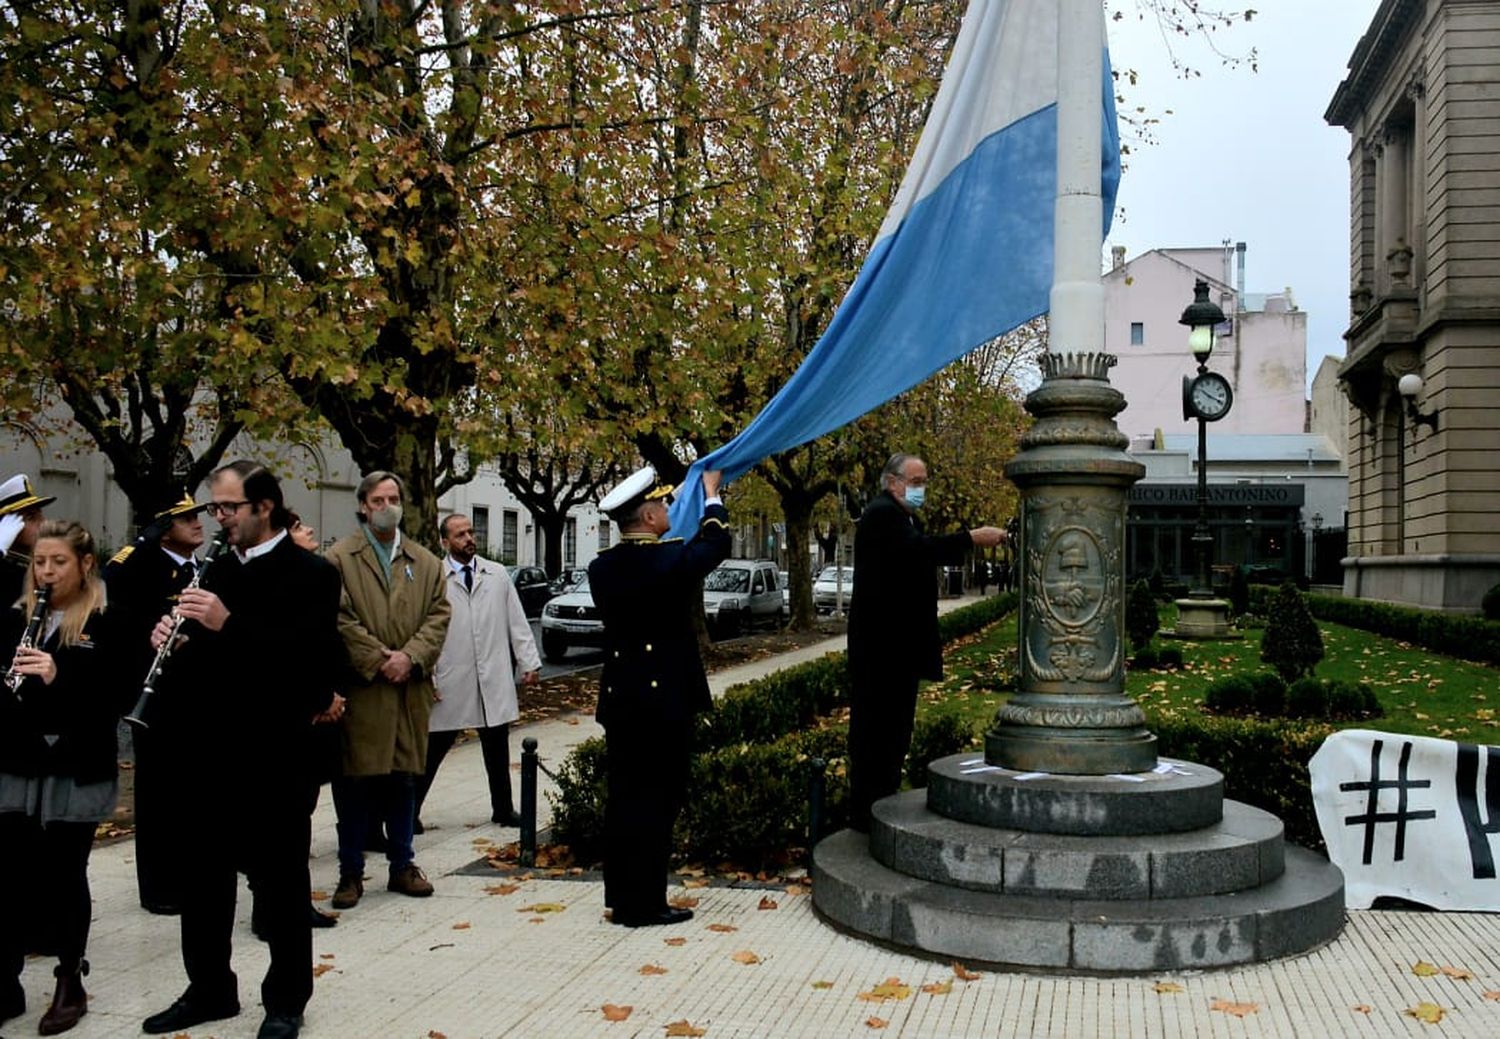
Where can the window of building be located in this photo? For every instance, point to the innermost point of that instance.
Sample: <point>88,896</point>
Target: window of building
<point>481,520</point>
<point>509,524</point>
<point>570,542</point>
<point>1137,333</point>
<point>603,533</point>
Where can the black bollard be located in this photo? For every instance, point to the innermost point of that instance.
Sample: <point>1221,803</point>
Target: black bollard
<point>817,786</point>
<point>528,802</point>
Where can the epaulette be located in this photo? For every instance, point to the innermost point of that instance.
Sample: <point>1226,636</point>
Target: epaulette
<point>122,555</point>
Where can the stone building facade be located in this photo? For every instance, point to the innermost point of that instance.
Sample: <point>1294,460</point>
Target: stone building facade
<point>1421,102</point>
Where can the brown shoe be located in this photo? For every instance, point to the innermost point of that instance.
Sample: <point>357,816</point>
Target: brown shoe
<point>409,880</point>
<point>347,894</point>
<point>69,1001</point>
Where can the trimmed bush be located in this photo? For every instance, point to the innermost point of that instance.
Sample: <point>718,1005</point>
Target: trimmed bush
<point>937,736</point>
<point>782,702</point>
<point>1141,620</point>
<point>1233,694</point>
<point>1169,657</point>
<point>1292,644</point>
<point>1268,694</point>
<point>1348,700</point>
<point>578,804</point>
<point>956,624</point>
<point>1458,635</point>
<point>1307,698</point>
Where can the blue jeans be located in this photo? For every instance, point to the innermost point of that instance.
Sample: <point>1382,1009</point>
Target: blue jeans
<point>360,799</point>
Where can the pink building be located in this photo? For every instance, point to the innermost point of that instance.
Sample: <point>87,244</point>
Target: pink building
<point>1262,348</point>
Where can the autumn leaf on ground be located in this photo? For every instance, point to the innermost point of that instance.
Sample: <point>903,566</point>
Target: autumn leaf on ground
<point>1237,1009</point>
<point>320,896</point>
<point>939,988</point>
<point>696,882</point>
<point>1431,1013</point>
<point>683,1028</point>
<point>964,973</point>
<point>320,969</point>
<point>653,968</point>
<point>325,955</point>
<point>767,902</point>
<point>876,1022</point>
<point>462,925</point>
<point>682,902</point>
<point>436,1035</point>
<point>1423,969</point>
<point>502,889</point>
<point>1167,986</point>
<point>1361,1008</point>
<point>890,988</point>
<point>745,956</point>
<point>723,928</point>
<point>543,907</point>
<point>615,1013</point>
<point>822,984</point>
<point>1459,974</point>
<point>798,889</point>
<point>1493,995</point>
<point>674,941</point>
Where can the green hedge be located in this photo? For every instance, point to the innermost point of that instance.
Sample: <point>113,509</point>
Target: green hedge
<point>1458,635</point>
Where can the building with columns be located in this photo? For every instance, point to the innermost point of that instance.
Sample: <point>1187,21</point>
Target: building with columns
<point>1421,102</point>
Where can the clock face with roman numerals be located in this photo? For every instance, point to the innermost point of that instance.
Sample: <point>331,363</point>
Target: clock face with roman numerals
<point>1206,396</point>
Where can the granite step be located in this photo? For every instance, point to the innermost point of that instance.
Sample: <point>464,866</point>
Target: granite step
<point>1244,849</point>
<point>1299,910</point>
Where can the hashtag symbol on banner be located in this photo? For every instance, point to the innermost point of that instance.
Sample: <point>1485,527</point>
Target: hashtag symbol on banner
<point>1371,818</point>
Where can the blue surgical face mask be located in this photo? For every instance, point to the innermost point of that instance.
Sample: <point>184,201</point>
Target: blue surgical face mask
<point>915,496</point>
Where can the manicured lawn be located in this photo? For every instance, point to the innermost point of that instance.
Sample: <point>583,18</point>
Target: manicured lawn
<point>1423,693</point>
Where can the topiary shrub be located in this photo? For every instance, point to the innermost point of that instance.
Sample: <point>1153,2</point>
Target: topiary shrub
<point>1233,694</point>
<point>1141,620</point>
<point>1348,700</point>
<point>578,804</point>
<point>1490,604</point>
<point>1169,657</point>
<point>1145,659</point>
<point>1292,644</point>
<point>936,736</point>
<point>1307,698</point>
<point>1268,696</point>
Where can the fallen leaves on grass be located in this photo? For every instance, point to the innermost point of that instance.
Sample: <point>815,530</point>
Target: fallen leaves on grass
<point>890,988</point>
<point>746,957</point>
<point>683,1028</point>
<point>723,928</point>
<point>1167,987</point>
<point>1237,1009</point>
<point>1430,1013</point>
<point>653,968</point>
<point>939,988</point>
<point>767,902</point>
<point>502,889</point>
<point>615,1013</point>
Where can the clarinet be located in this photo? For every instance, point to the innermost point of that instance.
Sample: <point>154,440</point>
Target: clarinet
<point>14,678</point>
<point>137,715</point>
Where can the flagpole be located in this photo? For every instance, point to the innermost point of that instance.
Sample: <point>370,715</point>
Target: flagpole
<point>1076,319</point>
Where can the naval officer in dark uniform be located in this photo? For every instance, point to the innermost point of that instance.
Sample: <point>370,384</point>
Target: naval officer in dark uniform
<point>646,589</point>
<point>144,580</point>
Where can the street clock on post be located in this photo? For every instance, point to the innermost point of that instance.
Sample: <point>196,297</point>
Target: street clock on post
<point>1206,395</point>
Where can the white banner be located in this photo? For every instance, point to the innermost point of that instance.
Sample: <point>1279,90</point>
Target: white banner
<point>1410,816</point>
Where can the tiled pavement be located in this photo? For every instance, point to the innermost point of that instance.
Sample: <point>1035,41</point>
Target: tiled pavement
<point>471,963</point>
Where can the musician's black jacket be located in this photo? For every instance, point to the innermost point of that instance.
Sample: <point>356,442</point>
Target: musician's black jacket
<point>143,583</point>
<point>81,707</point>
<point>252,688</point>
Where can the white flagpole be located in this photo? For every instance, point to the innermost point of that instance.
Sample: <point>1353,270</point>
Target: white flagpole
<point>1076,322</point>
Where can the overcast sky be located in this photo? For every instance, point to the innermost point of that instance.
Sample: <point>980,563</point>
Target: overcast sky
<point>1246,155</point>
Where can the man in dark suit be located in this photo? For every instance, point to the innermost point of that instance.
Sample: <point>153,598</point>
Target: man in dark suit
<point>20,518</point>
<point>260,660</point>
<point>144,580</point>
<point>647,589</point>
<point>893,630</point>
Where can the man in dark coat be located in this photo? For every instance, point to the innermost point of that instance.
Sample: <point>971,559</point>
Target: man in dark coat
<point>893,629</point>
<point>647,589</point>
<point>260,660</point>
<point>20,518</point>
<point>144,581</point>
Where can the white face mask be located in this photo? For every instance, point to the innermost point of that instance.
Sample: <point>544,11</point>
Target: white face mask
<point>386,520</point>
<point>915,496</point>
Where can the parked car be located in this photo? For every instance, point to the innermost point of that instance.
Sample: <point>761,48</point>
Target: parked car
<point>568,579</point>
<point>739,594</point>
<point>826,588</point>
<point>532,586</point>
<point>571,619</point>
<point>786,593</point>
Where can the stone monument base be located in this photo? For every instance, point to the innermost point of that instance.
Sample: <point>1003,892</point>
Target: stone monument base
<point>1203,619</point>
<point>994,866</point>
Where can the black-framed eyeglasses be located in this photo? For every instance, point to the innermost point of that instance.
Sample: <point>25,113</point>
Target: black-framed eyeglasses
<point>223,508</point>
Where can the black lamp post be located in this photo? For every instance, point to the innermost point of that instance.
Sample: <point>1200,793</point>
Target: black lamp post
<point>1205,397</point>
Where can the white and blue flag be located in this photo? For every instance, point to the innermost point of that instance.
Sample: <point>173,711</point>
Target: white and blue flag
<point>965,253</point>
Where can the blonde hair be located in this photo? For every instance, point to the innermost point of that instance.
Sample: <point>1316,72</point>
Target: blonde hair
<point>90,598</point>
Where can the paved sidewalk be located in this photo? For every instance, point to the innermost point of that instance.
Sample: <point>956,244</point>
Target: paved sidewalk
<point>481,960</point>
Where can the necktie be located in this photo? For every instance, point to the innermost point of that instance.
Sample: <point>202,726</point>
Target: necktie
<point>468,577</point>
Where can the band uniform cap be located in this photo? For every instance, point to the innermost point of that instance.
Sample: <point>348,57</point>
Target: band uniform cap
<point>17,495</point>
<point>639,486</point>
<point>184,506</point>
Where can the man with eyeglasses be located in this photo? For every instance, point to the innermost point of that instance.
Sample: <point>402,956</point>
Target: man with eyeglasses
<point>893,629</point>
<point>259,658</point>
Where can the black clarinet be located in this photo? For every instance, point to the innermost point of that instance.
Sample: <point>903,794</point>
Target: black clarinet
<point>137,715</point>
<point>14,678</point>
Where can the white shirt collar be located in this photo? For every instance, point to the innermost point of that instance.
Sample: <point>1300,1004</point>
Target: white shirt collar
<point>260,549</point>
<point>458,568</point>
<point>179,560</point>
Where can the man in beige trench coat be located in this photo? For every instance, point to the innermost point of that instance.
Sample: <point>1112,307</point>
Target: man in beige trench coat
<point>393,617</point>
<point>489,643</point>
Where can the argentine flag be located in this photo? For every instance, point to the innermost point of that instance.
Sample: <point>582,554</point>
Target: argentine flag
<point>965,253</point>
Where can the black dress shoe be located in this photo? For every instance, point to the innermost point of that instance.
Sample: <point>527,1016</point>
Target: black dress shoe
<point>279,1026</point>
<point>660,918</point>
<point>505,819</point>
<point>185,1013</point>
<point>317,918</point>
<point>417,828</point>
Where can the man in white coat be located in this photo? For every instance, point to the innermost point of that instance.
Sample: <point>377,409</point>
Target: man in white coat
<point>489,641</point>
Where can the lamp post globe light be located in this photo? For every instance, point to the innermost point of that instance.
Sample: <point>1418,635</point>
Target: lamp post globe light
<point>1207,397</point>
